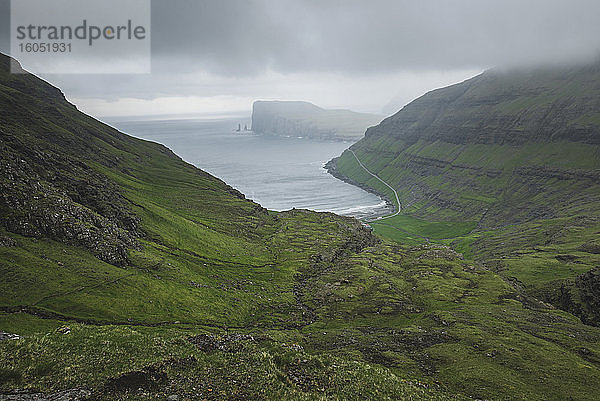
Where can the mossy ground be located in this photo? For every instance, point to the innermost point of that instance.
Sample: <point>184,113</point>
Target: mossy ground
<point>481,214</point>
<point>151,364</point>
<point>354,321</point>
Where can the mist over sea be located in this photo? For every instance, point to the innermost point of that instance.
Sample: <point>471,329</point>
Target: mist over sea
<point>279,173</point>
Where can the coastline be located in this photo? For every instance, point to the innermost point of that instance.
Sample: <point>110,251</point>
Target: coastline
<point>324,138</point>
<point>331,167</point>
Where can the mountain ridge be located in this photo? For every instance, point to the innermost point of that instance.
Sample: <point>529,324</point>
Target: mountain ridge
<point>495,105</point>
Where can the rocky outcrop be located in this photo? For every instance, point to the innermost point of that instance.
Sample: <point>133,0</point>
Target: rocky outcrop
<point>591,247</point>
<point>49,187</point>
<point>9,336</point>
<point>303,119</point>
<point>46,194</point>
<point>580,296</point>
<point>588,285</point>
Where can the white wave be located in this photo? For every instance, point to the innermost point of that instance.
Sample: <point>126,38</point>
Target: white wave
<point>361,209</point>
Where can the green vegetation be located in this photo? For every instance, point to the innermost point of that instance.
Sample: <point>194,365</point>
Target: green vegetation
<point>405,226</point>
<point>505,169</point>
<point>134,275</point>
<point>199,367</point>
<point>404,317</point>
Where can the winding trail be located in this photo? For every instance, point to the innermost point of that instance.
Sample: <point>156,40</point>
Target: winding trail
<point>379,219</point>
<point>399,208</point>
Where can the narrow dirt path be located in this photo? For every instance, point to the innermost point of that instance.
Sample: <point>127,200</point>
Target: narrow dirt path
<point>399,207</point>
<point>379,219</point>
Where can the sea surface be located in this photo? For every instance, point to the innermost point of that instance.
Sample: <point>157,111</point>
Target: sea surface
<point>277,172</point>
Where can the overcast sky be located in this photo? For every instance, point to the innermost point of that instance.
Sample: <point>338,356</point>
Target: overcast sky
<point>217,56</point>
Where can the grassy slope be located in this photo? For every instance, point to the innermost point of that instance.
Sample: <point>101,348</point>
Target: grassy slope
<point>332,313</point>
<point>509,165</point>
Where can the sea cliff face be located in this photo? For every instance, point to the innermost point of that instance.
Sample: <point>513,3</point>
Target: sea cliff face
<point>303,119</point>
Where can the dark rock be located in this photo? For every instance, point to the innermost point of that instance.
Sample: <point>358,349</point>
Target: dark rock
<point>581,296</point>
<point>566,258</point>
<point>64,330</point>
<point>589,292</point>
<point>52,195</point>
<point>148,379</point>
<point>591,247</point>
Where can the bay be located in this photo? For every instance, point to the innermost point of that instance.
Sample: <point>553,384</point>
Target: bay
<point>279,173</point>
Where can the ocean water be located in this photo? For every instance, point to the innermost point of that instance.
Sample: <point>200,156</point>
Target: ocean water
<point>279,173</point>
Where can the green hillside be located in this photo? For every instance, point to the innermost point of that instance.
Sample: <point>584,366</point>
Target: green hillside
<point>130,274</point>
<point>505,168</point>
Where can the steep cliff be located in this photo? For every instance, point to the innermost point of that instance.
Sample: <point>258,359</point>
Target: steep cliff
<point>303,119</point>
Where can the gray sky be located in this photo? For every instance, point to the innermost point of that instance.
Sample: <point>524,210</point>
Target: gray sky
<point>216,56</point>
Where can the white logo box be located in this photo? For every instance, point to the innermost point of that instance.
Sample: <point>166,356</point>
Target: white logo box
<point>81,36</point>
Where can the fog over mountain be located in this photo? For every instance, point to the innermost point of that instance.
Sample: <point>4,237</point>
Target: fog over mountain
<point>218,56</point>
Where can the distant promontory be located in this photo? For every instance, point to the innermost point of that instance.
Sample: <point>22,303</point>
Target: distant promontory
<point>304,119</point>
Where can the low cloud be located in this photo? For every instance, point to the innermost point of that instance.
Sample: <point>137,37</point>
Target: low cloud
<point>339,53</point>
